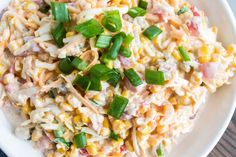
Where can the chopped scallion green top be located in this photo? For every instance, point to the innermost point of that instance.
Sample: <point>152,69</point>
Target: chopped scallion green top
<point>136,11</point>
<point>90,28</point>
<point>112,21</point>
<point>182,10</point>
<point>103,41</point>
<point>79,64</point>
<point>143,4</point>
<point>58,34</point>
<point>114,136</point>
<point>152,32</point>
<point>117,107</point>
<point>60,12</point>
<point>184,54</point>
<point>80,140</point>
<point>154,77</point>
<point>65,65</point>
<point>133,77</point>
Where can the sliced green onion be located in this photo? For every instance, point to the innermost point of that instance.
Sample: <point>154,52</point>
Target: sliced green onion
<point>160,151</point>
<point>114,136</point>
<point>112,21</point>
<point>103,41</point>
<point>152,32</point>
<point>59,132</point>
<point>80,140</point>
<point>125,52</point>
<point>62,140</point>
<point>52,93</point>
<point>105,59</point>
<point>127,40</point>
<point>154,77</point>
<point>117,106</point>
<point>143,4</point>
<point>60,12</point>
<point>182,10</point>
<point>115,78</point>
<point>44,8</point>
<point>65,66</point>
<point>133,77</point>
<point>101,72</point>
<point>184,54</point>
<point>95,84</point>
<point>83,81</point>
<point>58,34</point>
<point>90,28</point>
<point>115,48</point>
<point>136,11</point>
<point>79,64</point>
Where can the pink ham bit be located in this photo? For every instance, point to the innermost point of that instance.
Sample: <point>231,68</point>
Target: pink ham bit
<point>209,70</point>
<point>83,152</point>
<point>193,28</point>
<point>194,11</point>
<point>122,148</point>
<point>43,143</point>
<point>124,61</point>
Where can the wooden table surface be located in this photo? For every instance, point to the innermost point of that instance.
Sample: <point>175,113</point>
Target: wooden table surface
<point>227,144</point>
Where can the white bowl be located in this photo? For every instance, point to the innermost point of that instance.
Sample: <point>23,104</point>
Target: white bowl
<point>209,126</point>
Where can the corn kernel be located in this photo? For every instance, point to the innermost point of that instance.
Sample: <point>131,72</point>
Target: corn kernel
<point>92,149</point>
<point>161,129</point>
<point>76,119</point>
<point>176,56</point>
<point>119,142</point>
<point>204,51</point>
<point>110,64</point>
<point>84,118</point>
<point>63,117</point>
<point>106,123</point>
<point>96,97</point>
<point>118,126</point>
<point>129,146</point>
<point>231,48</point>
<point>69,34</point>
<point>173,101</point>
<point>214,29</point>
<point>204,59</point>
<point>3,69</point>
<point>26,108</point>
<point>125,93</point>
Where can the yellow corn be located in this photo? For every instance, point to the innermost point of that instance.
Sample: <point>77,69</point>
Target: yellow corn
<point>119,142</point>
<point>76,119</point>
<point>66,106</point>
<point>50,154</point>
<point>69,34</point>
<point>154,59</point>
<point>110,64</point>
<point>231,48</point>
<point>92,149</point>
<point>63,117</point>
<point>118,126</point>
<point>3,69</point>
<point>214,29</point>
<point>117,2</point>
<point>204,59</point>
<point>161,129</point>
<point>185,100</point>
<point>129,146</point>
<point>173,101</point>
<point>176,56</point>
<point>97,97</point>
<point>125,93</point>
<point>84,118</point>
<point>145,129</point>
<point>128,124</point>
<point>26,108</point>
<point>106,123</point>
<point>61,150</point>
<point>204,50</point>
<point>36,135</point>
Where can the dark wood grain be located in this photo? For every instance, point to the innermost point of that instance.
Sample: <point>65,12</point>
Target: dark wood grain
<point>227,144</point>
